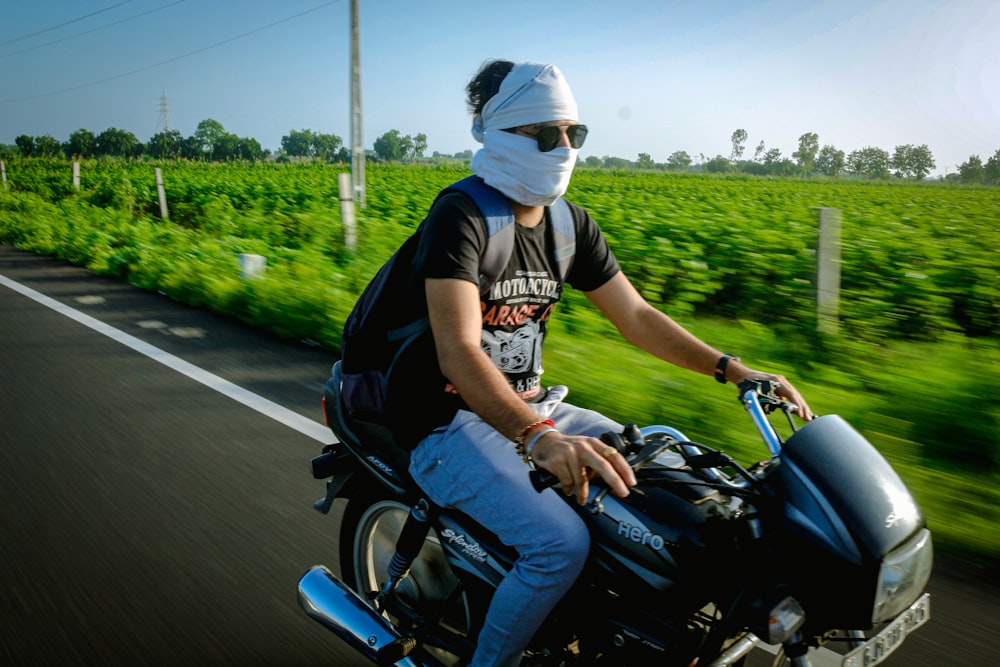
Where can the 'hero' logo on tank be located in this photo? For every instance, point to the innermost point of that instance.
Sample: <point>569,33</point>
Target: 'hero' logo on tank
<point>640,535</point>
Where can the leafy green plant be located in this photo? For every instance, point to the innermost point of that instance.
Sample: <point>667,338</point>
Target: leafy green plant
<point>732,258</point>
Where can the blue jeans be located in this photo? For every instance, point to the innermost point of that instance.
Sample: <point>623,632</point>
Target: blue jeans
<point>471,467</point>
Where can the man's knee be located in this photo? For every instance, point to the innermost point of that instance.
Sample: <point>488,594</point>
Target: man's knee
<point>563,547</point>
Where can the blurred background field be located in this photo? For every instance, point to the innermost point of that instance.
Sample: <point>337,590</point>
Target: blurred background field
<point>913,365</point>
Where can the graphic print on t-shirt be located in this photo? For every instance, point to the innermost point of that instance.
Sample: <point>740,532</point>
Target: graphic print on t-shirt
<point>514,316</point>
<point>515,351</point>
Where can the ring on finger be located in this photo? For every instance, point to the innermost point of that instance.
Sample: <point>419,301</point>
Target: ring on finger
<point>608,452</point>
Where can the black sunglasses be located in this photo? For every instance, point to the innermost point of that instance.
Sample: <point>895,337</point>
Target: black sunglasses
<point>549,136</point>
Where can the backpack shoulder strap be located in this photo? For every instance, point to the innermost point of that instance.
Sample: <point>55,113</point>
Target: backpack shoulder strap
<point>564,235</point>
<point>499,216</point>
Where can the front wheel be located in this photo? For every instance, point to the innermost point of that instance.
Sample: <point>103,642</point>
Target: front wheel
<point>371,526</point>
<point>824,655</point>
<point>780,660</point>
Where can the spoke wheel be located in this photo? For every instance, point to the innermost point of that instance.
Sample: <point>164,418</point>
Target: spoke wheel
<point>832,650</point>
<point>370,529</point>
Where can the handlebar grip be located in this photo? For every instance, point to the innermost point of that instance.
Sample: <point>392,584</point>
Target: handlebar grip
<point>542,479</point>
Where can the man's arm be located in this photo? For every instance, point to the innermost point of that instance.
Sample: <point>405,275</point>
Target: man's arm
<point>656,333</point>
<point>455,315</point>
<point>454,311</point>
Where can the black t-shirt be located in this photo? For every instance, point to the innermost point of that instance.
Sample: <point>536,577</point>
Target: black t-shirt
<point>515,309</point>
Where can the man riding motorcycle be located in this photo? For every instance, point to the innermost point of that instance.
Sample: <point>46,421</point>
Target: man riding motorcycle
<point>476,411</point>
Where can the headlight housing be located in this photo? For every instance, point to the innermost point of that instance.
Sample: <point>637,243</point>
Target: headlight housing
<point>902,577</point>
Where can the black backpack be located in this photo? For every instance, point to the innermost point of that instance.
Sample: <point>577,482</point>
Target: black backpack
<point>373,338</point>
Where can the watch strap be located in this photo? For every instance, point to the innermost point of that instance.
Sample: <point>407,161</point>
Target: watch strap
<point>720,368</point>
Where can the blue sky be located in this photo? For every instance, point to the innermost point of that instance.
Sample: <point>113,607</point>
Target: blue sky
<point>653,77</point>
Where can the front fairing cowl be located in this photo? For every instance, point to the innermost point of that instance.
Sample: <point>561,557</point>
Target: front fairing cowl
<point>842,493</point>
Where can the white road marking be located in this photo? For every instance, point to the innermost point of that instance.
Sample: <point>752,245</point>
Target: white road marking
<point>266,407</point>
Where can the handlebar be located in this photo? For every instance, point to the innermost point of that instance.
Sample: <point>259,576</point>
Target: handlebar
<point>759,397</point>
<point>542,479</point>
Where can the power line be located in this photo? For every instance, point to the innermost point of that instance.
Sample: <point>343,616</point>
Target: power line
<point>87,32</point>
<point>170,60</point>
<point>60,25</point>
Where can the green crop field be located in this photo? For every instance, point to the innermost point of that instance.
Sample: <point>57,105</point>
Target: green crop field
<point>732,258</point>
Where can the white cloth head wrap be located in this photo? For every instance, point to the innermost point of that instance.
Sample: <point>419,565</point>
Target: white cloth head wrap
<point>530,93</point>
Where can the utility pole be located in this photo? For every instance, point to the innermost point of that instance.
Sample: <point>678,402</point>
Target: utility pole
<point>357,140</point>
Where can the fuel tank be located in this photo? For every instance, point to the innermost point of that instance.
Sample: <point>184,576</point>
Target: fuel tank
<point>671,528</point>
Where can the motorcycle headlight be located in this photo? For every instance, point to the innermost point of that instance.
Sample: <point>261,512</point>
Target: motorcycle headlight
<point>902,577</point>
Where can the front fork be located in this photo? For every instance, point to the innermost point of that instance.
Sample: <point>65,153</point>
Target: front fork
<point>796,648</point>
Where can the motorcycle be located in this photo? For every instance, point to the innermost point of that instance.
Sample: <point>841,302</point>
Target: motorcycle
<point>817,554</point>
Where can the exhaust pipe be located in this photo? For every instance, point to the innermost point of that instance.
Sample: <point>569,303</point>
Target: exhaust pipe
<point>329,601</point>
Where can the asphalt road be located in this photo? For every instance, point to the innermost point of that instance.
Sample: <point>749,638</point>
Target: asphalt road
<point>148,519</point>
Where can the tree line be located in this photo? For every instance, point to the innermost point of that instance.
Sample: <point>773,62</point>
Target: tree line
<point>907,161</point>
<point>211,142</point>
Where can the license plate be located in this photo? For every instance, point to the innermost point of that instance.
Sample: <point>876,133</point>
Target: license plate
<point>881,646</point>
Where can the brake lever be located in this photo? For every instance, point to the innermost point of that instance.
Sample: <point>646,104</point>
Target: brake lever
<point>789,409</point>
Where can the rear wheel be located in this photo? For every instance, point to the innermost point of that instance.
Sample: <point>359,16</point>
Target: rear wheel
<point>371,526</point>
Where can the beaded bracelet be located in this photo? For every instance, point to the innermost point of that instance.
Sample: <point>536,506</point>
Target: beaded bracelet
<point>519,440</point>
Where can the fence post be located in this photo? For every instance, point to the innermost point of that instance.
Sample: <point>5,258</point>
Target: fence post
<point>3,174</point>
<point>76,176</point>
<point>252,266</point>
<point>162,193</point>
<point>828,270</point>
<point>347,210</point>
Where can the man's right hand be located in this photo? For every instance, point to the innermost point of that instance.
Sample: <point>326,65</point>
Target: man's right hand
<point>575,459</point>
